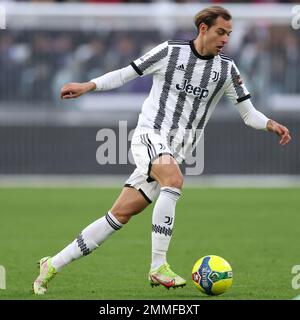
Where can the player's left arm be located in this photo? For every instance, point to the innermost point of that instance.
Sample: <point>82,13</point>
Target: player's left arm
<point>281,130</point>
<point>257,120</point>
<point>240,97</point>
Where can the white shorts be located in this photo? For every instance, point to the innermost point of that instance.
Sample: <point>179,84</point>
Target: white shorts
<point>145,149</point>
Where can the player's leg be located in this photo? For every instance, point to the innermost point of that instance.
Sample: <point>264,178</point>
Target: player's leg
<point>129,202</point>
<point>166,172</point>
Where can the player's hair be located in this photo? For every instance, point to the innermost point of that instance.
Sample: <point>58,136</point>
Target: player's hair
<point>210,14</point>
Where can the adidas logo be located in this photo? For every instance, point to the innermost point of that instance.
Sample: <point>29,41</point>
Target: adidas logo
<point>181,67</point>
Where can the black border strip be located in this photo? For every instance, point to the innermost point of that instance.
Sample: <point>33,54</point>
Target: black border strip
<point>90,309</point>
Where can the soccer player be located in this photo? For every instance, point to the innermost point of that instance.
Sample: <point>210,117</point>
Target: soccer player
<point>189,78</point>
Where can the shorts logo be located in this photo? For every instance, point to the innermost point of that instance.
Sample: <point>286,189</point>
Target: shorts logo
<point>161,146</point>
<point>189,88</point>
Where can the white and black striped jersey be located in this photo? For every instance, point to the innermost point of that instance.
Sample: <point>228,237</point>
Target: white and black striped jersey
<point>186,88</point>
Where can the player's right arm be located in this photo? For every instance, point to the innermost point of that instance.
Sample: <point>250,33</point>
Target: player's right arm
<point>149,63</point>
<point>108,81</point>
<point>75,90</point>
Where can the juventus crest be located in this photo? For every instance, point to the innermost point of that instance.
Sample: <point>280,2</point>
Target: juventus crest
<point>216,76</point>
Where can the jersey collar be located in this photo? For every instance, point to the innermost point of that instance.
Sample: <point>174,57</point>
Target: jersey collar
<point>191,42</point>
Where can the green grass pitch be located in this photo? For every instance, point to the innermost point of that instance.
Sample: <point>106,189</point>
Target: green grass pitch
<point>256,230</point>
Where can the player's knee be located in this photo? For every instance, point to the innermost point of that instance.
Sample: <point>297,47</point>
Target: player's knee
<point>175,181</point>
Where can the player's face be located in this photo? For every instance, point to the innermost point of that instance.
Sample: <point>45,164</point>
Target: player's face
<point>217,36</point>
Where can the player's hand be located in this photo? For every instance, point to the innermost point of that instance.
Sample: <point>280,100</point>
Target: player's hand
<point>280,130</point>
<point>75,90</point>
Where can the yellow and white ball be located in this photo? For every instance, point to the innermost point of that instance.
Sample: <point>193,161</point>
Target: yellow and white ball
<point>212,275</point>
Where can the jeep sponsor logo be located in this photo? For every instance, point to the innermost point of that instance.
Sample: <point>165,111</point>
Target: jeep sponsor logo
<point>199,92</point>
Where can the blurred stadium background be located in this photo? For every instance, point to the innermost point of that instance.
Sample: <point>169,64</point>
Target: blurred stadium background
<point>48,142</point>
<point>46,45</point>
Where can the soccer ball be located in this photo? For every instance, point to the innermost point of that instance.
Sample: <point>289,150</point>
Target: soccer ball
<point>212,275</point>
